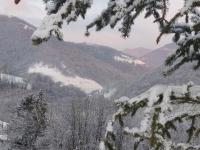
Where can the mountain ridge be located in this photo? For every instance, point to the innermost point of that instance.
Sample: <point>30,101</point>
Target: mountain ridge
<point>158,56</point>
<point>91,62</point>
<point>137,52</point>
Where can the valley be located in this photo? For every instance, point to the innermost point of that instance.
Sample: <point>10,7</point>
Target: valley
<point>80,80</point>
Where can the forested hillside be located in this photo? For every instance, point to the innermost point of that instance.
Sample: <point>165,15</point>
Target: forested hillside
<point>58,95</point>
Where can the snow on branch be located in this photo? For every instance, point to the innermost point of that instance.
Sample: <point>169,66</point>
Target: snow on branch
<point>185,26</point>
<point>164,108</point>
<point>127,12</point>
<point>69,11</point>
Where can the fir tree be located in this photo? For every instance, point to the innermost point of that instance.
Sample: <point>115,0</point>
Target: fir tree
<point>164,110</point>
<point>28,123</point>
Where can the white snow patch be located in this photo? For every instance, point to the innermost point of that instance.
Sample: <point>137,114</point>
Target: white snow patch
<point>57,76</point>
<point>50,6</point>
<point>3,127</point>
<point>11,79</point>
<point>63,65</point>
<point>3,137</point>
<point>102,146</point>
<point>27,27</point>
<point>110,93</point>
<point>14,80</point>
<point>124,58</point>
<point>128,59</point>
<point>109,127</point>
<point>139,62</point>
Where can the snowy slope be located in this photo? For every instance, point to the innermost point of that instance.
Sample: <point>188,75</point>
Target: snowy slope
<point>127,59</point>
<point>56,75</point>
<point>157,57</point>
<point>92,62</point>
<point>183,75</point>
<point>14,81</point>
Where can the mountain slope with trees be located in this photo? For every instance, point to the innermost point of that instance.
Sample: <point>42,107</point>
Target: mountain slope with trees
<point>137,52</point>
<point>146,81</point>
<point>91,62</point>
<point>160,102</point>
<point>157,57</point>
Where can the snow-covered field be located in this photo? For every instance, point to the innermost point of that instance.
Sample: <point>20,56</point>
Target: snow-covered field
<point>128,59</point>
<point>11,79</point>
<point>57,76</point>
<point>14,80</point>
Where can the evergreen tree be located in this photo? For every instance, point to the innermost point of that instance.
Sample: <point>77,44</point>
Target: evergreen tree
<point>28,123</point>
<point>165,111</point>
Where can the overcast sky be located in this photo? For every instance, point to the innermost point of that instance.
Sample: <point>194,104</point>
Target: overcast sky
<point>143,34</point>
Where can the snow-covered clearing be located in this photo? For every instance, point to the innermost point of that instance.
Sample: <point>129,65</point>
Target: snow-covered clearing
<point>57,76</point>
<point>128,59</point>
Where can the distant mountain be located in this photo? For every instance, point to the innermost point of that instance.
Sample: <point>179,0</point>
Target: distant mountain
<point>137,52</point>
<point>88,67</point>
<point>182,76</point>
<point>157,57</point>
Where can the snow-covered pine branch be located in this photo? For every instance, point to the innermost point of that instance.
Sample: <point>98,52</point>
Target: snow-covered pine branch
<point>164,108</point>
<point>58,12</point>
<point>69,10</point>
<point>185,26</point>
<point>127,12</point>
